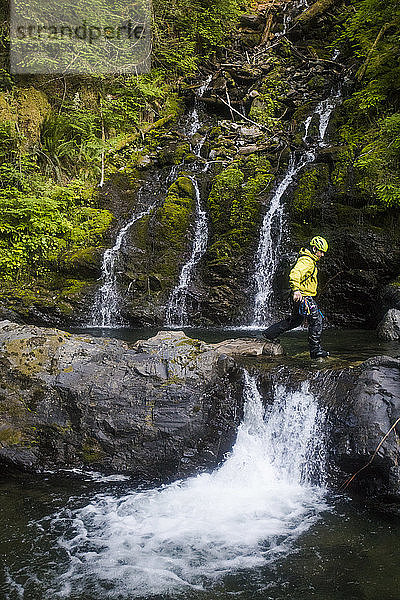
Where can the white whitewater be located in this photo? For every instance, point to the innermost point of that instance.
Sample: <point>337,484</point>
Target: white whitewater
<point>176,314</point>
<point>188,535</point>
<point>106,309</point>
<point>272,229</point>
<point>194,118</point>
<point>270,241</point>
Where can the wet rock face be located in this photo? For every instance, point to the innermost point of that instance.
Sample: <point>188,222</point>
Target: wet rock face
<point>164,408</point>
<point>361,420</point>
<point>361,405</point>
<point>389,327</point>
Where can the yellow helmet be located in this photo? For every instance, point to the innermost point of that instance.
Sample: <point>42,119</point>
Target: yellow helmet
<point>319,243</point>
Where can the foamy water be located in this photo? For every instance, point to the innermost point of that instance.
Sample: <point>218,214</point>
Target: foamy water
<point>190,534</point>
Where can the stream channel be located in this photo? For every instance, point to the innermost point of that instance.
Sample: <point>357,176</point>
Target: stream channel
<point>261,526</point>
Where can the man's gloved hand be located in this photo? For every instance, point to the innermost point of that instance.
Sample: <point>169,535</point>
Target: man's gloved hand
<point>297,296</point>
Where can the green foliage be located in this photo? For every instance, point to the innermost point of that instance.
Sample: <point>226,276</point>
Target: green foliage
<point>50,161</point>
<point>71,143</point>
<point>307,196</point>
<point>41,224</point>
<point>369,134</point>
<point>189,31</point>
<point>266,108</point>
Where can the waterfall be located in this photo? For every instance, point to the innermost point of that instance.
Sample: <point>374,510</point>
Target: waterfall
<point>176,314</point>
<point>270,240</point>
<point>106,309</point>
<point>188,535</point>
<point>288,16</point>
<point>268,252</point>
<point>194,120</point>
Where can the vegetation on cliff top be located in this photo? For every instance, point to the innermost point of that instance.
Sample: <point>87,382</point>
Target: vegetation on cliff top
<point>369,124</point>
<point>52,143</point>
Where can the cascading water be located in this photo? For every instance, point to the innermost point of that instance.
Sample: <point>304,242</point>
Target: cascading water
<point>194,119</point>
<point>268,251</point>
<point>289,11</point>
<point>188,535</point>
<point>176,314</point>
<point>106,309</point>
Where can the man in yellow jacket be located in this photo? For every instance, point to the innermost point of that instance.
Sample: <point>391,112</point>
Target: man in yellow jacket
<point>303,283</point>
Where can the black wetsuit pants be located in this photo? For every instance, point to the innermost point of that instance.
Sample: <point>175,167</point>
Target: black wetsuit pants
<point>307,308</point>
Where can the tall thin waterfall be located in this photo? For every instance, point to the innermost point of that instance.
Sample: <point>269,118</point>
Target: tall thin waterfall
<point>268,251</point>
<point>176,314</point>
<point>106,308</point>
<point>188,535</point>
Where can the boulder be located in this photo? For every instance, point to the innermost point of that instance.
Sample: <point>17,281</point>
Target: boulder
<point>248,347</point>
<point>164,407</point>
<point>389,327</point>
<point>364,436</point>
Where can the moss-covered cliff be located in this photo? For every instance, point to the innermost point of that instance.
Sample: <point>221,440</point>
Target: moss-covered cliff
<point>61,137</point>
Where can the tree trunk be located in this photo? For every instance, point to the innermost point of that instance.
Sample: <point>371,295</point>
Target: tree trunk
<point>318,8</point>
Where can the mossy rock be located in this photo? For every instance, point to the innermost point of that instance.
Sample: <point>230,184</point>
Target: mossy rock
<point>311,186</point>
<point>317,83</point>
<point>74,289</point>
<point>301,113</point>
<point>176,213</point>
<point>84,261</point>
<point>181,152</point>
<point>92,452</point>
<point>215,133</point>
<point>7,113</point>
<point>10,436</point>
<point>33,108</point>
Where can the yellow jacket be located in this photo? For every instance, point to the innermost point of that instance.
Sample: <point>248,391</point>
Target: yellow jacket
<point>303,276</point>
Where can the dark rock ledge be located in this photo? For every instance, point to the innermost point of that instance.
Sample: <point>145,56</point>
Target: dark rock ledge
<point>169,406</point>
<point>162,408</point>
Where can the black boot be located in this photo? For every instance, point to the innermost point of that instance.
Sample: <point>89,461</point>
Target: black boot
<point>319,353</point>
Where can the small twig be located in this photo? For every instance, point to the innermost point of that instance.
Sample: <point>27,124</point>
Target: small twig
<point>240,114</point>
<point>350,479</point>
<point>362,70</point>
<point>229,104</point>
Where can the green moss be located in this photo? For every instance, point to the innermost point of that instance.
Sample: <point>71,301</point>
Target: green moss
<point>317,83</point>
<point>181,151</point>
<point>312,184</point>
<point>226,189</point>
<point>30,356</point>
<point>215,133</point>
<point>176,213</point>
<point>92,452</point>
<point>235,208</point>
<point>10,436</point>
<point>396,281</point>
<point>7,114</point>
<point>266,108</point>
<point>33,108</point>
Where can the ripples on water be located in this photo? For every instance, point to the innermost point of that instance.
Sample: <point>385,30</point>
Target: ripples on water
<point>190,535</point>
<point>261,527</point>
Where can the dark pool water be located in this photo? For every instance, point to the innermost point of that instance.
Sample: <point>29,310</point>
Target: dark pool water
<point>346,551</point>
<point>351,553</point>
